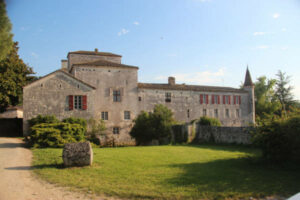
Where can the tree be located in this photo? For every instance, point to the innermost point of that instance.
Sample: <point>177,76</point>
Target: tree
<point>14,74</point>
<point>265,101</point>
<point>153,126</point>
<point>283,91</point>
<point>6,42</point>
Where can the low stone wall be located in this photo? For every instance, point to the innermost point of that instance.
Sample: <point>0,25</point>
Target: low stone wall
<point>196,133</point>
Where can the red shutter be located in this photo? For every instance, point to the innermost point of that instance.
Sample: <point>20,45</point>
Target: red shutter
<point>224,100</point>
<point>234,100</point>
<point>240,100</point>
<point>218,99</point>
<point>229,99</point>
<point>84,102</point>
<point>70,102</point>
<point>201,98</point>
<point>212,99</point>
<point>207,99</point>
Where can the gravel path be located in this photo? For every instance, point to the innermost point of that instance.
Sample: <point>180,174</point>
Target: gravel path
<point>17,181</point>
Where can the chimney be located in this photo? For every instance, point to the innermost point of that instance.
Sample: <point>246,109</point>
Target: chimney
<point>96,50</point>
<point>171,80</point>
<point>64,64</point>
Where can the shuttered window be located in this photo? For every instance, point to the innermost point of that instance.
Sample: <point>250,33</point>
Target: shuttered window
<point>77,102</point>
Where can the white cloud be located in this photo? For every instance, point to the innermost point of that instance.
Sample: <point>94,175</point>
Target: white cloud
<point>283,29</point>
<point>284,48</point>
<point>276,15</point>
<point>262,47</point>
<point>34,55</point>
<point>259,33</point>
<point>136,23</point>
<point>205,77</point>
<point>123,32</point>
<point>172,55</point>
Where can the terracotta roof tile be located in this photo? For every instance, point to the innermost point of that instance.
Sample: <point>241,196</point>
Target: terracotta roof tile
<point>95,53</point>
<point>201,88</point>
<point>105,63</point>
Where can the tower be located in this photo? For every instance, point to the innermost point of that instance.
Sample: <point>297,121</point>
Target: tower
<point>249,87</point>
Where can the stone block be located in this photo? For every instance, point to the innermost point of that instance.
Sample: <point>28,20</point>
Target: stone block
<point>78,154</point>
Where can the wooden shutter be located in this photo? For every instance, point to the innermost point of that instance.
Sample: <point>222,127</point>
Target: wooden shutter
<point>218,99</point>
<point>207,99</point>
<point>70,102</point>
<point>234,100</point>
<point>229,99</point>
<point>84,102</point>
<point>224,99</point>
<point>240,100</point>
<point>201,98</point>
<point>212,99</point>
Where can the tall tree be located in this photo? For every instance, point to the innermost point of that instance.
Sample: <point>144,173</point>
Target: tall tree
<point>6,41</point>
<point>265,100</point>
<point>284,91</point>
<point>14,74</point>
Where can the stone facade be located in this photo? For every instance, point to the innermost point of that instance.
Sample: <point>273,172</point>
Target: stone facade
<point>112,92</point>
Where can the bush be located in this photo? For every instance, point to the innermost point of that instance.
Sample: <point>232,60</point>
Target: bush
<point>153,126</point>
<point>279,139</point>
<point>55,134</point>
<point>72,120</point>
<point>207,121</point>
<point>49,119</point>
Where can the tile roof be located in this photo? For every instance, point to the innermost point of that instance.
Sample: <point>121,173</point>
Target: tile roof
<point>105,63</point>
<point>201,88</point>
<point>248,80</point>
<point>95,53</point>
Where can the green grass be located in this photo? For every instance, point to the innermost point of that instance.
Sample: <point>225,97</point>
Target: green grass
<point>171,172</point>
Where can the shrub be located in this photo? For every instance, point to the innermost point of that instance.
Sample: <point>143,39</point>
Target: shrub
<point>55,134</point>
<point>279,139</point>
<point>49,119</point>
<point>207,121</point>
<point>96,128</point>
<point>153,126</point>
<point>72,120</point>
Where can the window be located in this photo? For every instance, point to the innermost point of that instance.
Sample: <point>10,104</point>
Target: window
<point>168,97</point>
<point>78,102</point>
<point>188,113</point>
<point>204,112</point>
<point>104,115</point>
<point>140,98</point>
<point>116,130</point>
<point>216,113</point>
<point>237,99</point>
<point>126,114</point>
<point>217,101</point>
<point>237,112</point>
<point>205,98</point>
<point>227,112</point>
<point>226,99</point>
<point>117,96</point>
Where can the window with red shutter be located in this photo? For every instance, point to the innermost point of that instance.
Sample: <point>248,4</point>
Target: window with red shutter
<point>229,99</point>
<point>207,99</point>
<point>84,102</point>
<point>224,99</point>
<point>70,102</point>
<point>240,100</point>
<point>234,100</point>
<point>212,99</point>
<point>201,98</point>
<point>218,99</point>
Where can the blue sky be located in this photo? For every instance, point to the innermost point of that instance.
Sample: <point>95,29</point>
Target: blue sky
<point>207,42</point>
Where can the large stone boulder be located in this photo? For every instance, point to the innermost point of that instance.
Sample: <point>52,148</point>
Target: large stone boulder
<point>78,154</point>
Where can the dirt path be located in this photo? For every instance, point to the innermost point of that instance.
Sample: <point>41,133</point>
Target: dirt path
<point>17,181</point>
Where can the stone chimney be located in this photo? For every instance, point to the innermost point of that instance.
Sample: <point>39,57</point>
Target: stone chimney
<point>96,50</point>
<point>64,64</point>
<point>171,80</point>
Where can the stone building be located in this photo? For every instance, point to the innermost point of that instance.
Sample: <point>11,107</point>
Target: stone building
<point>92,84</point>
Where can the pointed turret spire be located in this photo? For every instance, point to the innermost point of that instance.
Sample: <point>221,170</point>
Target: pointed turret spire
<point>248,80</point>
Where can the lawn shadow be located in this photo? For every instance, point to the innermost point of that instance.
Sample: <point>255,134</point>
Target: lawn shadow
<point>57,166</point>
<point>12,145</point>
<point>237,176</point>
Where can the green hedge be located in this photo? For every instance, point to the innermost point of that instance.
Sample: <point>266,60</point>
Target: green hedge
<point>56,134</point>
<point>207,121</point>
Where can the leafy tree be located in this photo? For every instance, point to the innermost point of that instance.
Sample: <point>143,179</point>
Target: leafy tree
<point>207,121</point>
<point>153,126</point>
<point>6,42</point>
<point>283,91</point>
<point>266,103</point>
<point>14,74</point>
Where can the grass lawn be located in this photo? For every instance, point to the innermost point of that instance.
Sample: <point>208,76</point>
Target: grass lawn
<point>171,172</point>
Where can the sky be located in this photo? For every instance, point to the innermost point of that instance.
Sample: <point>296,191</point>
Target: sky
<point>205,42</point>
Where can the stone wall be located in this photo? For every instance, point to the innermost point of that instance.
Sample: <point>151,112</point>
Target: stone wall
<point>183,102</point>
<point>196,133</point>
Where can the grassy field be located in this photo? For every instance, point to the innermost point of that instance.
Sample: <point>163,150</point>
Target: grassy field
<point>171,172</point>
